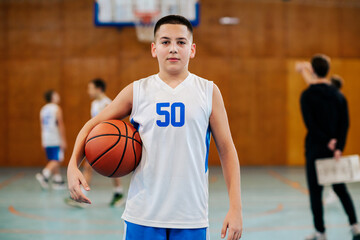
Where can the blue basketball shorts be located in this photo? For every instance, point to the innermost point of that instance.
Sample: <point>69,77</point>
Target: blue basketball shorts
<point>54,153</point>
<point>138,232</point>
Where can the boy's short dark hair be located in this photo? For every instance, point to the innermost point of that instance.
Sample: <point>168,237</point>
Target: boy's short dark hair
<point>48,95</point>
<point>321,65</point>
<point>99,83</point>
<point>336,81</point>
<point>173,19</point>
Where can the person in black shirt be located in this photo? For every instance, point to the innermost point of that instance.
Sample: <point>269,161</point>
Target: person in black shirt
<point>325,114</point>
<point>309,77</point>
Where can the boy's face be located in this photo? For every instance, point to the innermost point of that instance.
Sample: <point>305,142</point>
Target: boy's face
<point>93,91</point>
<point>173,47</point>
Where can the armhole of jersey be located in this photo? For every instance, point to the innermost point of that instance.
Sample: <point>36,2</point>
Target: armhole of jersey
<point>210,88</point>
<point>136,86</point>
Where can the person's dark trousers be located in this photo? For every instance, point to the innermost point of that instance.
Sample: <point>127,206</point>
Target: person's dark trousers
<point>315,190</point>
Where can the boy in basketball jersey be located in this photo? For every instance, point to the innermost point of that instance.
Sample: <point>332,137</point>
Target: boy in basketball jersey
<point>53,141</point>
<point>175,112</point>
<point>96,91</point>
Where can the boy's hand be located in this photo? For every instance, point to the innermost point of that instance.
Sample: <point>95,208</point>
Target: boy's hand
<point>332,144</point>
<point>75,179</point>
<point>337,154</point>
<point>233,222</point>
<point>299,66</point>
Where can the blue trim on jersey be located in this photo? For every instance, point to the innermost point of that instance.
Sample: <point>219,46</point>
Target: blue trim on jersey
<point>135,124</point>
<point>53,153</point>
<point>136,232</point>
<point>207,142</point>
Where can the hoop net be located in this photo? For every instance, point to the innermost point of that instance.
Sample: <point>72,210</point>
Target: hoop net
<point>144,25</point>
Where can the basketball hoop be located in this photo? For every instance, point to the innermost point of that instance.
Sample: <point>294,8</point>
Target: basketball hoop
<point>143,14</point>
<point>144,24</point>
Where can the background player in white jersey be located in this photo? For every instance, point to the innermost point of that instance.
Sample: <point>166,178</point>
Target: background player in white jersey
<point>174,111</point>
<point>53,141</point>
<point>96,91</point>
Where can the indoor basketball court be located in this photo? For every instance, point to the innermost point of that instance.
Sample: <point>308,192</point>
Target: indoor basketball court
<point>72,58</point>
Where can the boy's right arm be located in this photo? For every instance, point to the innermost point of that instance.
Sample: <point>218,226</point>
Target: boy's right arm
<point>305,69</point>
<point>118,109</point>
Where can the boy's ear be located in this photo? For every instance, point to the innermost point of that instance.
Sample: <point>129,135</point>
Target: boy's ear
<point>153,50</point>
<point>193,50</point>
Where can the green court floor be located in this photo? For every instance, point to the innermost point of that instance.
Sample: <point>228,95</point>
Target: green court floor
<point>275,206</point>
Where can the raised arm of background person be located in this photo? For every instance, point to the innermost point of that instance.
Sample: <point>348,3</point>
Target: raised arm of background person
<point>311,125</point>
<point>230,164</point>
<point>119,108</point>
<point>60,121</point>
<point>343,125</point>
<point>305,69</point>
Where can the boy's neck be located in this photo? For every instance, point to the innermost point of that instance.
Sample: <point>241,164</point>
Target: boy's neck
<point>168,77</point>
<point>321,80</point>
<point>101,96</point>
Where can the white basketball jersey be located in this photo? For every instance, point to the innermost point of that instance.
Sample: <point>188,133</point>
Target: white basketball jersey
<point>169,188</point>
<point>98,105</point>
<point>50,134</point>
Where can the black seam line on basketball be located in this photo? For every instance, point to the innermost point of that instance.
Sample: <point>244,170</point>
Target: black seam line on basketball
<point>102,135</point>
<point>110,147</point>
<point>122,157</point>
<point>133,146</point>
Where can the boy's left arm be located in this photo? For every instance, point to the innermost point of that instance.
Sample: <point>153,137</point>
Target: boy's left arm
<point>230,164</point>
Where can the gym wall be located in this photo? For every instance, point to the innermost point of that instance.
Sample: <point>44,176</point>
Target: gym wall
<point>54,44</point>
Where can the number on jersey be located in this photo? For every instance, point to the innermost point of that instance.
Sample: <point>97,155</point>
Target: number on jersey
<point>173,114</point>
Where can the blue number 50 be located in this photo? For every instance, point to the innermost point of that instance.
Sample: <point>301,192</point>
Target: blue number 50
<point>161,109</point>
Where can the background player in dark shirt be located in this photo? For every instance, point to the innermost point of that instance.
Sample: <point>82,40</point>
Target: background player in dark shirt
<point>325,114</point>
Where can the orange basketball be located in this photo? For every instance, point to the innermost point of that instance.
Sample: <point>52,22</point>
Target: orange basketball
<point>113,148</point>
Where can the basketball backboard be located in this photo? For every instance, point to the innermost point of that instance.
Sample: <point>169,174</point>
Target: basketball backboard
<point>122,13</point>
